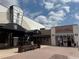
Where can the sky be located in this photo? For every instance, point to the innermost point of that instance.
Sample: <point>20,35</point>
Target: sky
<point>50,13</point>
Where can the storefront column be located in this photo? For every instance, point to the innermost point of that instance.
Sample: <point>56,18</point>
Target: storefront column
<point>53,41</point>
<point>76,34</point>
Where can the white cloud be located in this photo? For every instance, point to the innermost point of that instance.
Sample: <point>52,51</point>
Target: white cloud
<point>58,5</point>
<point>41,19</point>
<point>57,15</point>
<point>49,5</point>
<point>53,19</point>
<point>52,4</point>
<point>65,1</point>
<point>48,23</point>
<point>75,0</point>
<point>8,3</point>
<point>32,15</point>
<point>77,16</point>
<point>60,13</point>
<point>52,1</point>
<point>67,8</point>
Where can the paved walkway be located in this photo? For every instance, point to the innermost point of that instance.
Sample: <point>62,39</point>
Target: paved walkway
<point>48,52</point>
<point>8,52</point>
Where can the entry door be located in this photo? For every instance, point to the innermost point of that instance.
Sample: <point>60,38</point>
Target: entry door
<point>65,40</point>
<point>15,41</point>
<point>59,40</point>
<point>71,42</point>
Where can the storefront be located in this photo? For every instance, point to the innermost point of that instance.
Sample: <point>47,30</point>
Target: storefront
<point>65,36</point>
<point>44,37</point>
<point>9,36</point>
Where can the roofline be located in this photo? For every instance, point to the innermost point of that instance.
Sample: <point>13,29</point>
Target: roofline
<point>3,5</point>
<point>65,25</point>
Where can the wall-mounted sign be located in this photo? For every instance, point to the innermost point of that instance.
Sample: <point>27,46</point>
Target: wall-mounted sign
<point>64,29</point>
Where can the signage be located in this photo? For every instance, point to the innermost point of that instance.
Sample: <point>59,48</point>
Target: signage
<point>64,29</point>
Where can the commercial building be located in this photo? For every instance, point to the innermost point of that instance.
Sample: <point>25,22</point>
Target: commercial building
<point>15,14</point>
<point>13,26</point>
<point>44,37</point>
<point>67,35</point>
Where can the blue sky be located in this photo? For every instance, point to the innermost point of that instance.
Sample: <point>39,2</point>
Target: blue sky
<point>50,12</point>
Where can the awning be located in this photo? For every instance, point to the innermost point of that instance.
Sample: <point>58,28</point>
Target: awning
<point>12,27</point>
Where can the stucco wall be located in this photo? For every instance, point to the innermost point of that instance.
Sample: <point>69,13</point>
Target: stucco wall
<point>3,17</point>
<point>76,34</point>
<point>53,42</point>
<point>3,14</point>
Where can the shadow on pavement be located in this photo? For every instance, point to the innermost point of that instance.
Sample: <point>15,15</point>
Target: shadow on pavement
<point>57,56</point>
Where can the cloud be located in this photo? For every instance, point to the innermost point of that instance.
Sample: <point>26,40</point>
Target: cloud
<point>57,15</point>
<point>53,4</point>
<point>49,5</point>
<point>58,5</point>
<point>67,8</point>
<point>77,16</point>
<point>52,1</point>
<point>48,23</point>
<point>8,3</point>
<point>53,18</point>
<point>65,1</point>
<point>75,0</point>
<point>41,19</point>
<point>32,15</point>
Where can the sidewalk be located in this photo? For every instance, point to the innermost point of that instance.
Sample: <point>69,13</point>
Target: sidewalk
<point>8,52</point>
<point>48,52</point>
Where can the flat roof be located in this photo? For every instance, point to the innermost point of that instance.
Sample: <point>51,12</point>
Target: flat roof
<point>66,25</point>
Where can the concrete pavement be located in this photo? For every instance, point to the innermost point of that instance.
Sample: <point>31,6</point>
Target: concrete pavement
<point>48,52</point>
<point>8,52</point>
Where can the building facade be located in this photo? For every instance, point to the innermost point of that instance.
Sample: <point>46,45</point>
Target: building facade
<point>45,37</point>
<point>14,14</point>
<point>67,35</point>
<point>14,26</point>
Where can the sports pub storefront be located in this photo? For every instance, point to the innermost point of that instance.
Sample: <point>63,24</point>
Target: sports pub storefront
<point>10,34</point>
<point>13,35</point>
<point>66,36</point>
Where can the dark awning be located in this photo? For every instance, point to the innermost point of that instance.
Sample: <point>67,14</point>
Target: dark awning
<point>12,27</point>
